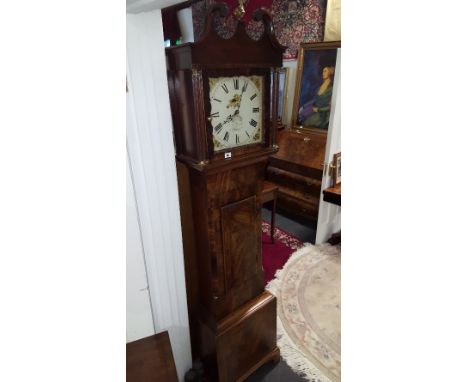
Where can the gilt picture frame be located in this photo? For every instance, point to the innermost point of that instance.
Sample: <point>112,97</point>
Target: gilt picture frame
<point>282,95</point>
<point>336,169</point>
<point>316,66</point>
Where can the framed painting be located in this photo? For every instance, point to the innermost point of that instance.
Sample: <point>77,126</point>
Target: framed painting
<point>316,65</point>
<point>282,94</point>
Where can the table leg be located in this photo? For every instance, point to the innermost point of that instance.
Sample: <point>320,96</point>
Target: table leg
<point>273,216</point>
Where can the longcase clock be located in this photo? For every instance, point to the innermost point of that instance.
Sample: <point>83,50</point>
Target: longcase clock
<point>225,130</point>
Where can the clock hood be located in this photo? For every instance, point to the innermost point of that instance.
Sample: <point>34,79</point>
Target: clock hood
<point>238,51</point>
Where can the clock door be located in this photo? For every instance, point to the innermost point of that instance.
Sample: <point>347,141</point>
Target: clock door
<point>237,106</point>
<point>236,111</point>
<point>241,238</point>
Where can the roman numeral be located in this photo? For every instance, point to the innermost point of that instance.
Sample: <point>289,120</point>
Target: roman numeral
<point>237,138</point>
<point>251,98</point>
<point>253,123</point>
<point>226,136</point>
<point>216,114</point>
<point>217,100</point>
<point>255,110</point>
<point>244,87</point>
<point>218,127</point>
<point>236,83</point>
<point>225,88</point>
<point>247,134</point>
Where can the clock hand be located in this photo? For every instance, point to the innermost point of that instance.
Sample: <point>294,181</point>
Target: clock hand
<point>228,119</point>
<point>240,100</point>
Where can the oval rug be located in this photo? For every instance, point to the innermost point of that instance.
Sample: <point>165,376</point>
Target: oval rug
<point>309,307</point>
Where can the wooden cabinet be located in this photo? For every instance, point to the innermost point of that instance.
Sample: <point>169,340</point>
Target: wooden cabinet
<point>297,169</point>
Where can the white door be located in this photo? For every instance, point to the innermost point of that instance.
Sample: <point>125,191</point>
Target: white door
<point>329,219</point>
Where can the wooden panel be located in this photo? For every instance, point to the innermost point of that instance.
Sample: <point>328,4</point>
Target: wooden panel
<point>297,169</point>
<point>234,216</point>
<point>190,254</point>
<point>150,360</point>
<point>333,194</point>
<point>241,241</point>
<point>247,338</point>
<point>300,207</point>
<point>305,184</point>
<point>303,148</point>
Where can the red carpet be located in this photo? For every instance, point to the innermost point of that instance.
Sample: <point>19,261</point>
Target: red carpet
<point>274,256</point>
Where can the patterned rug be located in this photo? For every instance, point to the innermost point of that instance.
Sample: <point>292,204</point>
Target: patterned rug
<point>274,256</point>
<point>308,294</point>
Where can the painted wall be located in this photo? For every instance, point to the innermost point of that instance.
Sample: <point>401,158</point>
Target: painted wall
<point>152,158</point>
<point>139,316</point>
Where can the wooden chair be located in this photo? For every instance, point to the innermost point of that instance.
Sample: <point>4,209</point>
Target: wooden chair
<point>269,194</point>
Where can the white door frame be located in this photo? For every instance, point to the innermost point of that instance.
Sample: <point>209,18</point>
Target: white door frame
<point>152,159</point>
<point>329,218</point>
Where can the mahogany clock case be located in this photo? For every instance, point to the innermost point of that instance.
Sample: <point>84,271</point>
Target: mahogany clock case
<point>232,319</point>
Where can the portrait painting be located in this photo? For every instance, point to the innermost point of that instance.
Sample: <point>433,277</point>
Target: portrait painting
<point>314,85</point>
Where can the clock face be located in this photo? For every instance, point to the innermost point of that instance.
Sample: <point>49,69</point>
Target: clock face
<point>236,111</point>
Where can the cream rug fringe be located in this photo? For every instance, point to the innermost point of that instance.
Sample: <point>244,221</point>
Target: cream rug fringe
<point>291,354</point>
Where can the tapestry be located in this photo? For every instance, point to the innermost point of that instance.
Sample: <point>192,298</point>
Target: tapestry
<point>294,21</point>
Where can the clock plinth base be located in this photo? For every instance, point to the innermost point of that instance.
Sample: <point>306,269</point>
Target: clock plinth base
<point>242,341</point>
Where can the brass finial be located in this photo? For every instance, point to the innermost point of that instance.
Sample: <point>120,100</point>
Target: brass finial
<point>239,12</point>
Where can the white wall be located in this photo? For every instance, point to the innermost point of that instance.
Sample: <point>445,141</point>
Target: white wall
<point>152,158</point>
<point>139,316</point>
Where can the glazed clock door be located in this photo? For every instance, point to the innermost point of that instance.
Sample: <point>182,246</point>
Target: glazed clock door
<point>236,105</point>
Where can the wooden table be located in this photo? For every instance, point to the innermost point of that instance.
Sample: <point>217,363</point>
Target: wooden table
<point>270,193</point>
<point>150,359</point>
<point>333,194</point>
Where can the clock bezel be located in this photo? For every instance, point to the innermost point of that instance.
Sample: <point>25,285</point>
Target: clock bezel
<point>265,104</point>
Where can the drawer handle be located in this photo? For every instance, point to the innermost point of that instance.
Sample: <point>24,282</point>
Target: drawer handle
<point>306,139</point>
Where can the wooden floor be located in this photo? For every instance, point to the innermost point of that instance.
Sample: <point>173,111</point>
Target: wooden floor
<point>150,359</point>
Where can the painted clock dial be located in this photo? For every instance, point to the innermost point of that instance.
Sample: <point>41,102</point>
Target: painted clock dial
<point>236,111</point>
